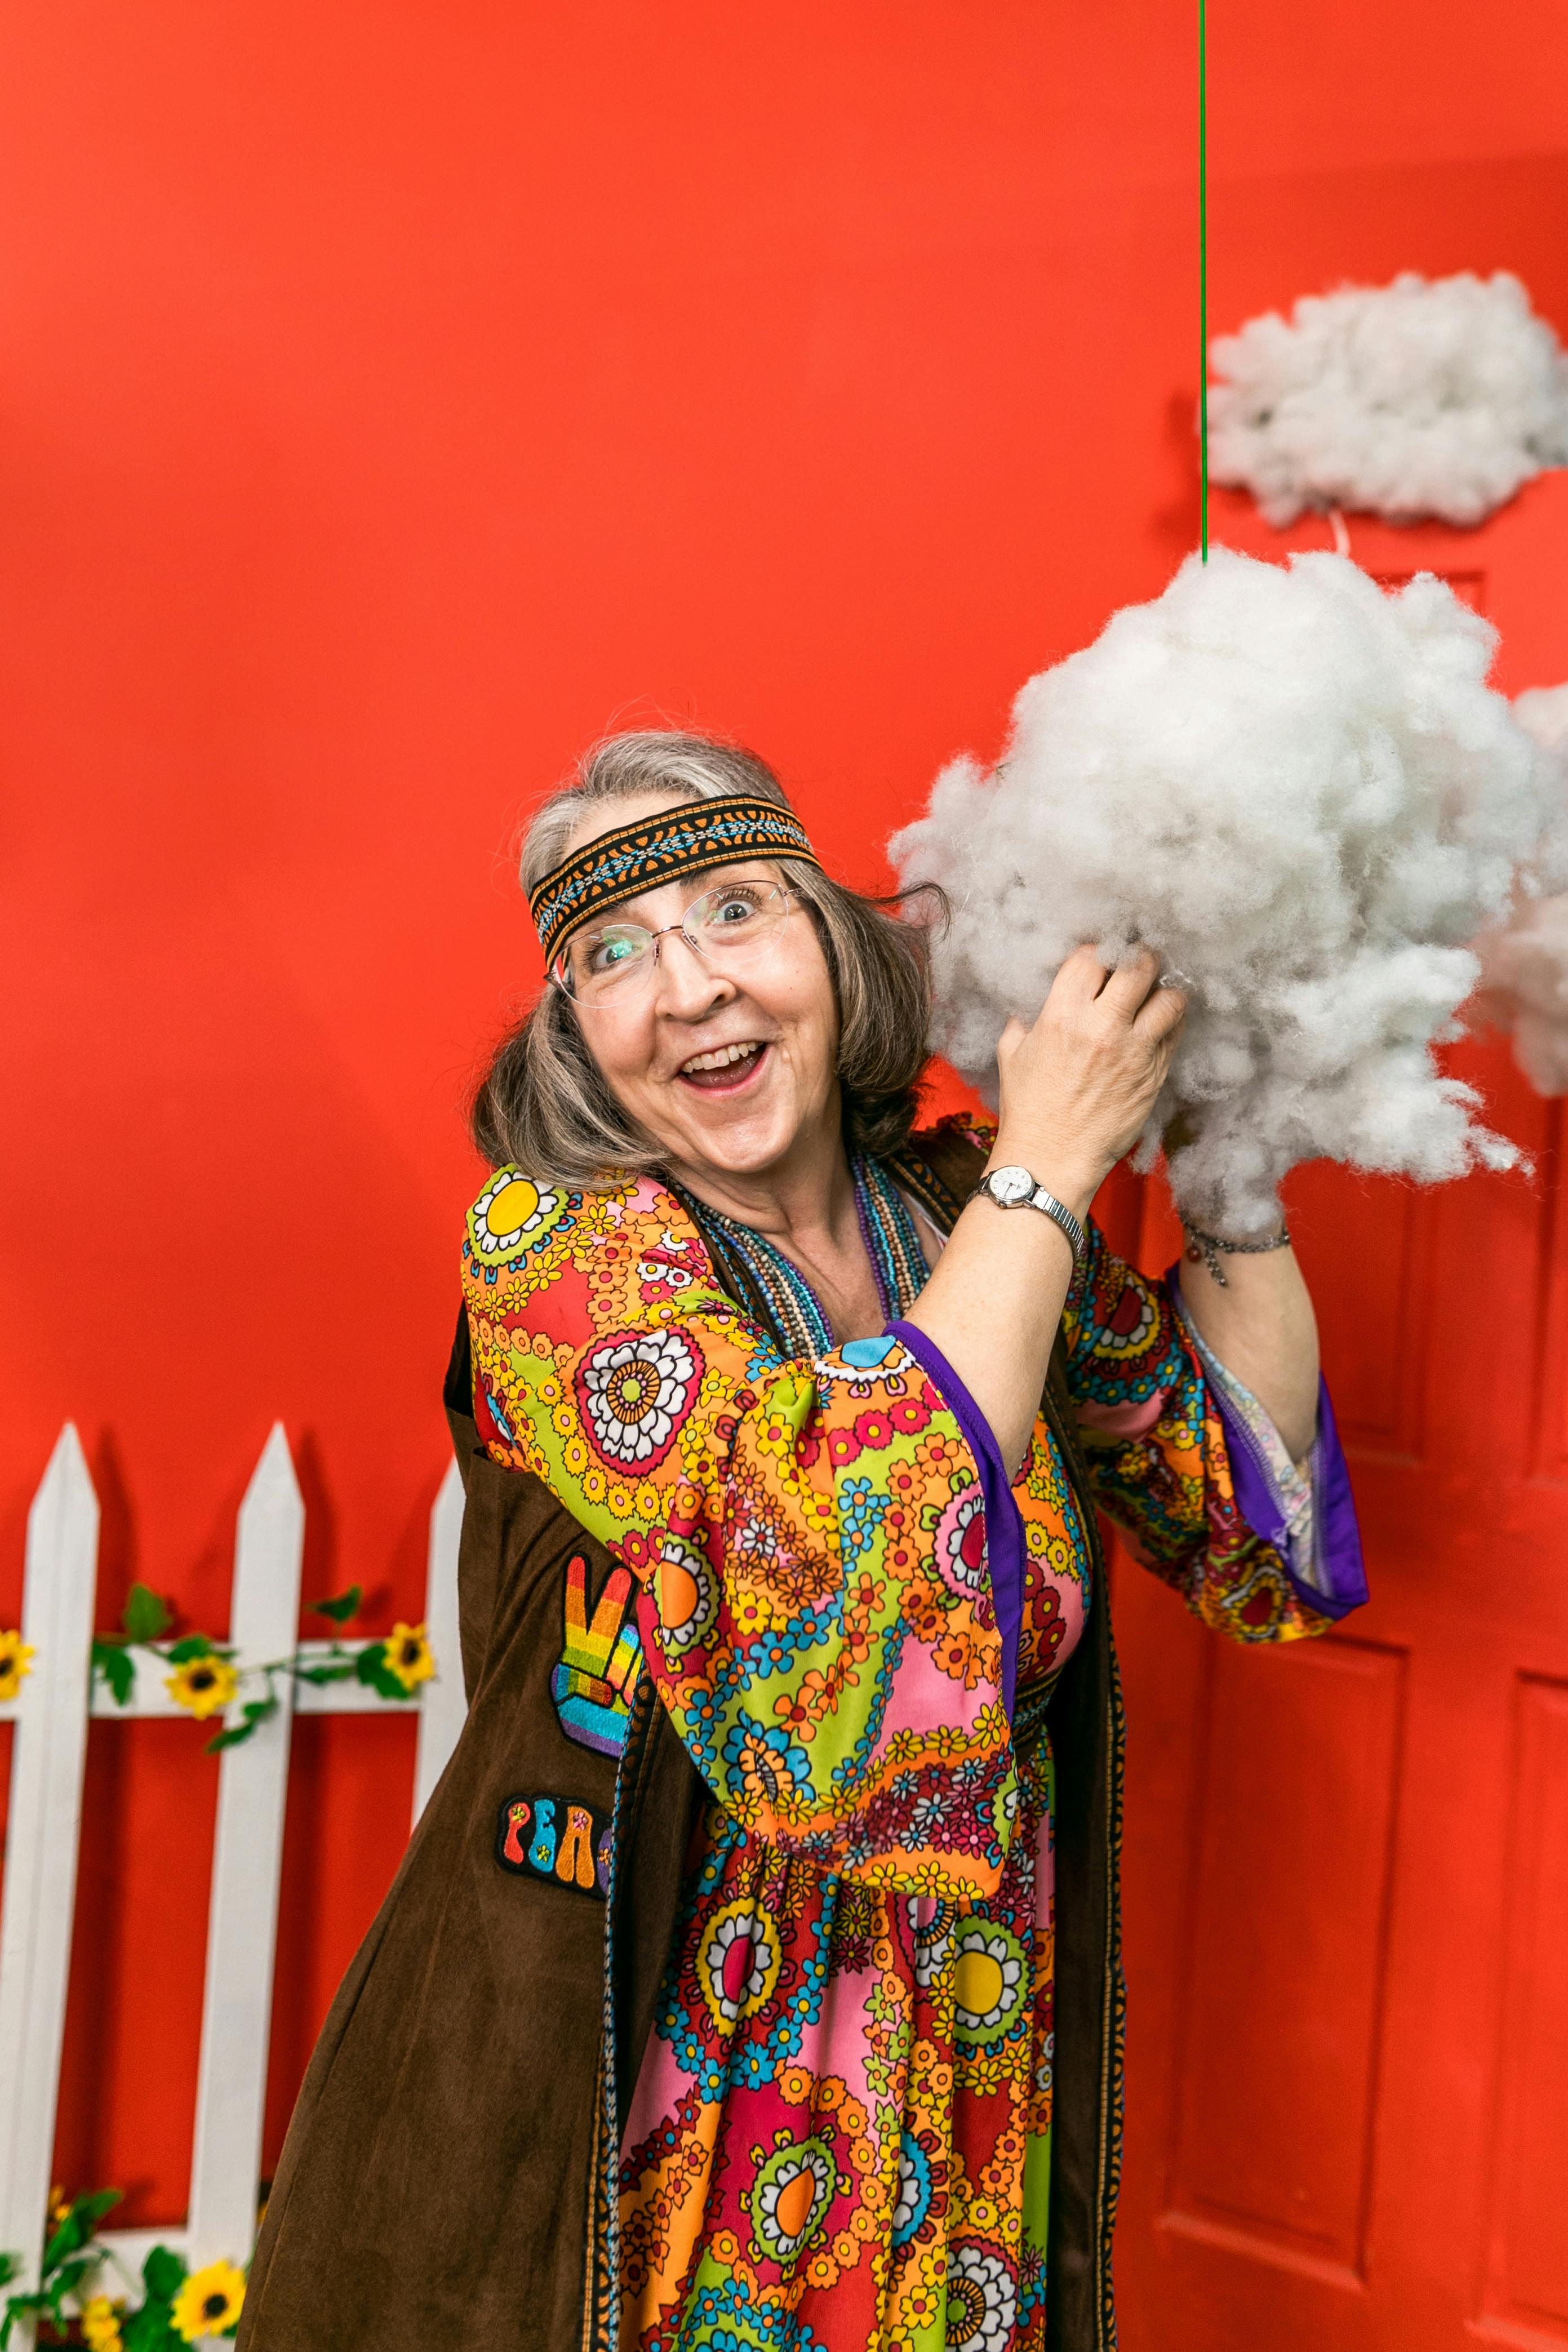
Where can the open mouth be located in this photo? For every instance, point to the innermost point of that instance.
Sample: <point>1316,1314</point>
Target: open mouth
<point>725,1070</point>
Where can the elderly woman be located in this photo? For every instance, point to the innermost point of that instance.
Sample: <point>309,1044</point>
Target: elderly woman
<point>752,1979</point>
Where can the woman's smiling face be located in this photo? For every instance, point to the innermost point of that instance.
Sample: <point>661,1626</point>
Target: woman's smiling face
<point>726,1064</point>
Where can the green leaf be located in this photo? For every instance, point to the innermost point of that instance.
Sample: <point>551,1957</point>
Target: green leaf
<point>193,1645</point>
<point>150,2329</point>
<point>342,1605</point>
<point>163,2274</point>
<point>114,1661</point>
<point>18,2307</point>
<point>69,2277</point>
<point>9,2266</point>
<point>71,2234</point>
<point>93,2209</point>
<point>371,1667</point>
<point>145,1615</point>
<point>324,1674</point>
<point>256,1711</point>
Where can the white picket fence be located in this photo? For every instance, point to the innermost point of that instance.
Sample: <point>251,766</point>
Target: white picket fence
<point>49,1747</point>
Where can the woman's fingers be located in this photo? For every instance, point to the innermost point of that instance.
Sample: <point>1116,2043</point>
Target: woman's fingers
<point>1162,1013</point>
<point>1126,987</point>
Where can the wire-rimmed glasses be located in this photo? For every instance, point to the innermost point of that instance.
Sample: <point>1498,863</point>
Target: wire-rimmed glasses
<point>612,964</point>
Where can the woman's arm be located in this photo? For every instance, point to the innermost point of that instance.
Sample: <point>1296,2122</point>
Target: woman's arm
<point>1262,1327</point>
<point>1076,1089</point>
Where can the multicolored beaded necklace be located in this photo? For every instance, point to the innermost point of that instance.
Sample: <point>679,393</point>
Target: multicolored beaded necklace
<point>778,1293</point>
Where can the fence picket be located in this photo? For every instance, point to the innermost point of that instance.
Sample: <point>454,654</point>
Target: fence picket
<point>51,1715</point>
<point>248,1860</point>
<point>47,1759</point>
<point>444,1702</point>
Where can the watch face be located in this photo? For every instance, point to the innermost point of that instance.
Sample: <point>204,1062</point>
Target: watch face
<point>1011,1185</point>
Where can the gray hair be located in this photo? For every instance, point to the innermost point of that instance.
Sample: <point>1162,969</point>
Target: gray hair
<point>543,1103</point>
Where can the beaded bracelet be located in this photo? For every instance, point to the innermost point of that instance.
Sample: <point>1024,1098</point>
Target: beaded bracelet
<point>1207,1248</point>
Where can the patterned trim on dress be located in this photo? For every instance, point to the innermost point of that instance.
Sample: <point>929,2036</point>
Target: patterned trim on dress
<point>691,839</point>
<point>793,1308</point>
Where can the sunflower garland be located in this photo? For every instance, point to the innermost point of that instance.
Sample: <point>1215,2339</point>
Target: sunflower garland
<point>177,2307</point>
<point>205,1681</point>
<point>15,1660</point>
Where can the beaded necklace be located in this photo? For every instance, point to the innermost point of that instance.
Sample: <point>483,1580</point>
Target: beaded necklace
<point>778,1293</point>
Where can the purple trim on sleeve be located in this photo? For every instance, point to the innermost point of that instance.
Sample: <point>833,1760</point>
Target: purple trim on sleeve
<point>1340,1558</point>
<point>1337,1535</point>
<point>1004,1521</point>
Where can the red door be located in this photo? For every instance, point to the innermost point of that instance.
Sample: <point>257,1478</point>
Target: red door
<point>1347,1863</point>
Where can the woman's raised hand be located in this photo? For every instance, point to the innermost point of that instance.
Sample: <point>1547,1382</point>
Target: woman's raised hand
<point>1077,1086</point>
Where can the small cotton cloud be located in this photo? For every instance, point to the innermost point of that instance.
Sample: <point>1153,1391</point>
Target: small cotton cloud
<point>1303,794</point>
<point>1524,963</point>
<point>1426,397</point>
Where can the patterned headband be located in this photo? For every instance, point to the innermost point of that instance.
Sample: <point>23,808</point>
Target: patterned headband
<point>690,839</point>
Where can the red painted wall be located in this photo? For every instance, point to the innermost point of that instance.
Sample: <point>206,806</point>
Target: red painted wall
<point>391,396</point>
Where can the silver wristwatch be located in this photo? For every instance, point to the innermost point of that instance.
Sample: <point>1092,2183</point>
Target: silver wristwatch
<point>1015,1188</point>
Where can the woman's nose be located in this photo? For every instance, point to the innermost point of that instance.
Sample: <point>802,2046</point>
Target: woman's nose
<point>686,983</point>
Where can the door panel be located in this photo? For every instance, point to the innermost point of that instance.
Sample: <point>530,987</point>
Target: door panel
<point>1528,2273</point>
<point>1346,1875</point>
<point>1284,2005</point>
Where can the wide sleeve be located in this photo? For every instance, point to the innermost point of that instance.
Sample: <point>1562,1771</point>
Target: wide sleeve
<point>1184,1461</point>
<point>809,1536</point>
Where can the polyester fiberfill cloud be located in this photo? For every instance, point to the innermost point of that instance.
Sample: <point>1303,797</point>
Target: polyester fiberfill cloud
<point>1425,397</point>
<point>1524,965</point>
<point>1302,792</point>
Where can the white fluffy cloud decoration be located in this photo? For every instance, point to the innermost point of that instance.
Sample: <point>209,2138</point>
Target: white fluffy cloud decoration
<point>1524,965</point>
<point>1425,397</point>
<point>1303,794</point>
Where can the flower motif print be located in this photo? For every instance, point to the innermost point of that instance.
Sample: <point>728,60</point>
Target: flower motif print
<point>765,1762</point>
<point>932,1922</point>
<point>738,1966</point>
<point>512,1213</point>
<point>634,1392</point>
<point>688,1593</point>
<point>961,1549</point>
<point>913,2189</point>
<point>990,1982</point>
<point>982,2301</point>
<point>793,2192</point>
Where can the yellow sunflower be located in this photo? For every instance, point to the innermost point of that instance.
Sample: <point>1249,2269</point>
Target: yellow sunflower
<point>209,2302</point>
<point>15,1660</point>
<point>100,2325</point>
<point>409,1655</point>
<point>203,1685</point>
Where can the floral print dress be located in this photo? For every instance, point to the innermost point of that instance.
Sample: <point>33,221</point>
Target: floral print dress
<point>841,2133</point>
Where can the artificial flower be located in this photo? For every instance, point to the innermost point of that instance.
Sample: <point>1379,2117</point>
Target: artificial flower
<point>100,2325</point>
<point>15,1660</point>
<point>409,1655</point>
<point>210,2302</point>
<point>203,1685</point>
<point>59,2205</point>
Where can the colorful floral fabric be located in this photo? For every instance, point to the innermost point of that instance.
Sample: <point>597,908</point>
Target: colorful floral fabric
<point>841,2135</point>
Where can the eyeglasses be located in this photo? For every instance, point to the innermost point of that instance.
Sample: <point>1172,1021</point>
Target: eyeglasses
<point>614,964</point>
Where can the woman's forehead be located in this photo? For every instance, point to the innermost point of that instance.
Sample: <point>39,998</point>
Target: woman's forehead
<point>599,817</point>
<point>667,901</point>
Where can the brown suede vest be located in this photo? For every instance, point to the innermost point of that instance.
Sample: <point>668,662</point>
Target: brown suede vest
<point>447,2181</point>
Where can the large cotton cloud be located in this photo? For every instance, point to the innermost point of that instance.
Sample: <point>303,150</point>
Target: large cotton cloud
<point>1436,397</point>
<point>1524,964</point>
<point>1302,792</point>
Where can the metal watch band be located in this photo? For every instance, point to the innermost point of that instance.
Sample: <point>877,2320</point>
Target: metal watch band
<point>1017,1188</point>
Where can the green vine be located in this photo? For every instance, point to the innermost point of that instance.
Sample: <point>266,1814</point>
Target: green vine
<point>205,1680</point>
<point>177,2305</point>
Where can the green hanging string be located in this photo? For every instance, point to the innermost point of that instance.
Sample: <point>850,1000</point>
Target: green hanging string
<point>1203,254</point>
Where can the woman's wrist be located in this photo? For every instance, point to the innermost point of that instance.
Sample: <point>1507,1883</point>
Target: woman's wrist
<point>1066,1173</point>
